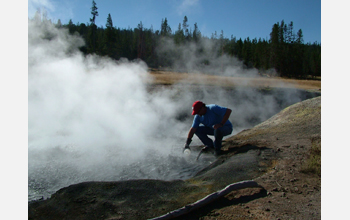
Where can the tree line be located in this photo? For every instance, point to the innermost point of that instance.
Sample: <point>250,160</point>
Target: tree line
<point>285,51</point>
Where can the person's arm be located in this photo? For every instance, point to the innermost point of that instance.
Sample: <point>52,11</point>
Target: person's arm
<point>190,135</point>
<point>224,119</point>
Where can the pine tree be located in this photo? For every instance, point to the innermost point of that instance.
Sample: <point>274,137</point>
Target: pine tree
<point>71,26</point>
<point>185,28</point>
<point>109,38</point>
<point>300,39</point>
<point>109,24</point>
<point>165,30</point>
<point>59,23</point>
<point>93,29</point>
<point>93,12</point>
<point>141,42</point>
<point>247,53</point>
<point>238,49</point>
<point>282,30</point>
<point>275,46</point>
<point>179,35</point>
<point>196,33</point>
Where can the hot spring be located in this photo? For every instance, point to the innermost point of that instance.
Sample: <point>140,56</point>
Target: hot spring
<point>95,119</point>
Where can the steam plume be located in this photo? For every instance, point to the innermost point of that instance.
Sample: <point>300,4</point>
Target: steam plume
<point>93,118</point>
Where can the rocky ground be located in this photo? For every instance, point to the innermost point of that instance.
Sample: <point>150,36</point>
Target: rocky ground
<point>288,191</point>
<point>274,153</point>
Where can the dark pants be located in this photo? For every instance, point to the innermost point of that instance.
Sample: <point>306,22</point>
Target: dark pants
<point>202,133</point>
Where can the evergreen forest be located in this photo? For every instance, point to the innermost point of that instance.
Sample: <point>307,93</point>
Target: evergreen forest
<point>285,50</point>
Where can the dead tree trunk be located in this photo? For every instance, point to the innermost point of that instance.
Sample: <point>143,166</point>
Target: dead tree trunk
<point>208,199</point>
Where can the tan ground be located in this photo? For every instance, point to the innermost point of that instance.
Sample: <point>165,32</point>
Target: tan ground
<point>291,194</point>
<point>162,77</point>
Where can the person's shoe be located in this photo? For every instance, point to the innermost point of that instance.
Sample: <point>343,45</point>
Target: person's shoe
<point>217,153</point>
<point>207,149</point>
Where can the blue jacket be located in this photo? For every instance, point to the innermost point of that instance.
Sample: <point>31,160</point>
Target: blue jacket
<point>213,116</point>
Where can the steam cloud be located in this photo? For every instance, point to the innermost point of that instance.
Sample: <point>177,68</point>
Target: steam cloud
<point>95,119</point>
<point>205,56</point>
<point>90,118</point>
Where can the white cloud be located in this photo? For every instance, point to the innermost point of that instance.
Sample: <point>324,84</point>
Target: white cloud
<point>33,5</point>
<point>42,3</point>
<point>186,6</point>
<point>63,11</point>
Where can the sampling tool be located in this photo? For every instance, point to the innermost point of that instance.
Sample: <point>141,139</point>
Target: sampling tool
<point>205,149</point>
<point>187,151</point>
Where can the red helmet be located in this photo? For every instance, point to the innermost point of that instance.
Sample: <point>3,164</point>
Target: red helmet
<point>196,107</point>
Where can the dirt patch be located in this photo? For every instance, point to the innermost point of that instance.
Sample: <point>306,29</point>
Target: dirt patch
<point>272,153</point>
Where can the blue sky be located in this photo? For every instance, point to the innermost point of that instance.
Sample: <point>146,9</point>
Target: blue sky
<point>239,18</point>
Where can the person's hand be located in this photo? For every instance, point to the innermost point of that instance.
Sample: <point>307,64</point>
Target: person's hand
<point>187,149</point>
<point>218,126</point>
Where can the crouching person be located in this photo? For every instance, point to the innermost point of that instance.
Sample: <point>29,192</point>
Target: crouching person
<point>209,120</point>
